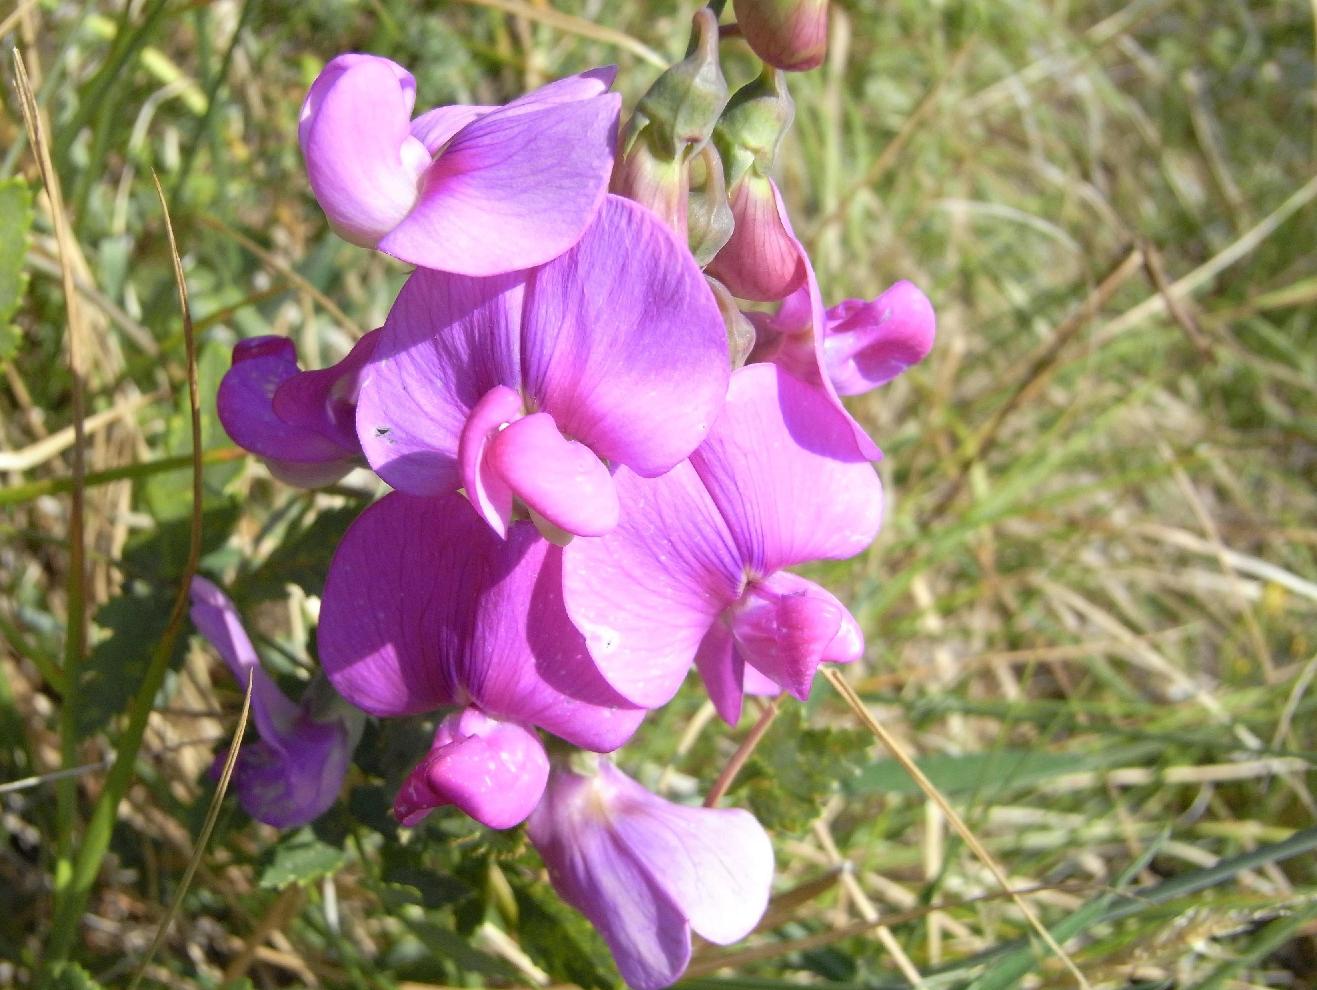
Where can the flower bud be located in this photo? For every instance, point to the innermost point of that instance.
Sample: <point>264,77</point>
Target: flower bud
<point>685,102</point>
<point>788,34</point>
<point>709,218</point>
<point>651,178</point>
<point>752,127</point>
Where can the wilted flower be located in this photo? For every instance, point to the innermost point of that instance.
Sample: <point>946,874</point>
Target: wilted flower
<point>646,872</point>
<point>790,34</point>
<point>293,773</point>
<point>302,424</point>
<point>471,189</point>
<point>425,607</point>
<point>695,569</point>
<point>518,388</point>
<point>494,771</point>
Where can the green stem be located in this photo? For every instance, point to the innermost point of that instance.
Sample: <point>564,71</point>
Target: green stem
<point>18,494</point>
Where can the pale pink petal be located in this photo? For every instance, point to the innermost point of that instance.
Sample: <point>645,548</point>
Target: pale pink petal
<point>436,127</point>
<point>559,478</point>
<point>624,344</point>
<point>363,164</point>
<point>512,189</point>
<point>781,467</point>
<point>715,863</point>
<point>447,341</point>
<point>724,672</point>
<point>762,260</point>
<point>645,594</point>
<point>485,487</point>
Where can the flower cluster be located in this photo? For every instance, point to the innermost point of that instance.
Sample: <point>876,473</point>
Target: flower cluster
<point>607,401</point>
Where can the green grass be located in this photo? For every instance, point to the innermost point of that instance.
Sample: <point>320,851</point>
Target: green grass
<point>1091,616</point>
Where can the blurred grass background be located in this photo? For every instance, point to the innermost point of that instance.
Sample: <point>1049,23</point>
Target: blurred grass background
<point>1090,615</point>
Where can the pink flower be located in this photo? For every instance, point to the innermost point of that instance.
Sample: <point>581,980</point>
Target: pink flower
<point>302,424</point>
<point>520,388</point>
<point>646,872</point>
<point>469,189</point>
<point>425,607</point>
<point>695,569</point>
<point>494,771</point>
<point>293,773</point>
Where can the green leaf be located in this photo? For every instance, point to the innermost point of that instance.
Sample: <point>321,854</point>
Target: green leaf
<point>135,621</point>
<point>301,858</point>
<point>71,976</point>
<point>797,768</point>
<point>556,939</point>
<point>15,229</point>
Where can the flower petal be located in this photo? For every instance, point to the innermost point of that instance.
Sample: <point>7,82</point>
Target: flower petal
<point>559,478</point>
<point>624,344</point>
<point>785,626</point>
<point>494,771</point>
<point>295,780</point>
<point>363,164</point>
<point>485,487</point>
<point>436,127</point>
<point>762,260</point>
<point>645,594</point>
<point>325,401</point>
<point>217,619</point>
<point>512,189</point>
<point>715,863</point>
<point>391,627</point>
<point>723,671</point>
<point>781,467</point>
<point>646,933</point>
<point>245,404</point>
<point>869,343</point>
<point>447,341</point>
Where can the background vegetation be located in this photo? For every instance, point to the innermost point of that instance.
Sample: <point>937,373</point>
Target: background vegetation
<point>1090,615</point>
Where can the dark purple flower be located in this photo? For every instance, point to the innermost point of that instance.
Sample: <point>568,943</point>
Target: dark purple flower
<point>475,190</point>
<point>426,607</point>
<point>695,569</point>
<point>646,872</point>
<point>519,388</point>
<point>293,773</point>
<point>302,424</point>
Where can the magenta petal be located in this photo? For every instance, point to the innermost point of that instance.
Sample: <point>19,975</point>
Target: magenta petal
<point>363,164</point>
<point>559,478</point>
<point>645,594</point>
<point>781,467</point>
<point>485,487</point>
<point>326,400</point>
<point>723,671</point>
<point>715,864</point>
<point>389,628</point>
<point>582,86</point>
<point>512,189</point>
<point>762,260</point>
<point>595,873</point>
<point>447,341</point>
<point>436,127</point>
<point>764,686</point>
<point>494,771</point>
<point>294,780</point>
<point>867,344</point>
<point>245,404</point>
<point>624,344</point>
<point>785,626</point>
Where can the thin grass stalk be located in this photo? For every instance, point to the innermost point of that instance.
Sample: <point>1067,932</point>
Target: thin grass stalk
<point>72,899</point>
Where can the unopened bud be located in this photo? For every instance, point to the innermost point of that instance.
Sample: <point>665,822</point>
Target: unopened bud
<point>752,127</point>
<point>789,34</point>
<point>709,216</point>
<point>685,102</point>
<point>740,331</point>
<point>653,180</point>
<point>763,260</point>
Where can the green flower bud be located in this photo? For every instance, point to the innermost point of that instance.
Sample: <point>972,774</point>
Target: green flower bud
<point>753,125</point>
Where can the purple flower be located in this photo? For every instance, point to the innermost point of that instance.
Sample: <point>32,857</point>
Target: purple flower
<point>645,871</point>
<point>863,344</point>
<point>519,388</point>
<point>301,423</point>
<point>425,607</point>
<point>470,189</point>
<point>695,569</point>
<point>494,771</point>
<point>293,773</point>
